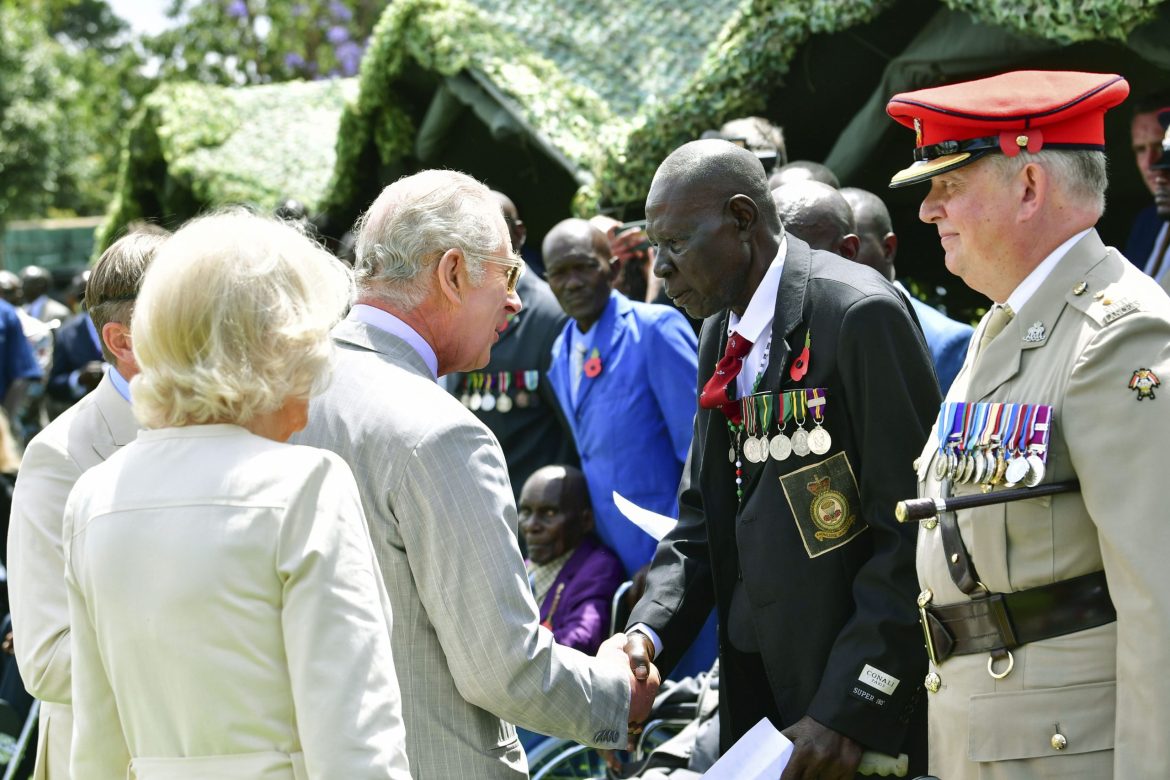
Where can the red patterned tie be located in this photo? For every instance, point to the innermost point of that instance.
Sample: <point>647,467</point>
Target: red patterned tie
<point>716,393</point>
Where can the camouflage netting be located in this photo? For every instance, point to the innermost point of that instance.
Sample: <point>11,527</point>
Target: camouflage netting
<point>191,147</point>
<point>612,86</point>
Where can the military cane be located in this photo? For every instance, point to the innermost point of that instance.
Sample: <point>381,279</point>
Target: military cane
<point>916,509</point>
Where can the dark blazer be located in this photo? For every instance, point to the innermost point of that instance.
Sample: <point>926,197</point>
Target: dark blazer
<point>535,435</point>
<point>820,620</point>
<point>1142,235</point>
<point>947,339</point>
<point>72,349</point>
<point>583,592</point>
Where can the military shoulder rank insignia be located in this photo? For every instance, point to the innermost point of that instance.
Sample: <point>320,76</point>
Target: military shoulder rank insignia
<point>1143,383</point>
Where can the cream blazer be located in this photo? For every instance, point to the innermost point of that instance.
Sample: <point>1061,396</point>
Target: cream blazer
<point>86,434</point>
<point>228,619</point>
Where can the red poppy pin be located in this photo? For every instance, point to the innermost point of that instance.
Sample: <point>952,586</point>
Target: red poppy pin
<point>592,366</point>
<point>800,365</point>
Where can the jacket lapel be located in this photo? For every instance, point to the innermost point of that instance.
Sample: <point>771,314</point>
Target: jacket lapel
<point>1032,326</point>
<point>121,427</point>
<point>356,333</point>
<point>789,309</point>
<point>610,330</point>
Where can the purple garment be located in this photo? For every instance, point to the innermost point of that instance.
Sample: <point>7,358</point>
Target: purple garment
<point>586,584</point>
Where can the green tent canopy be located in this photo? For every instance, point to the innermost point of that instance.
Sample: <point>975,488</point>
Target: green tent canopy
<point>569,106</point>
<point>193,147</point>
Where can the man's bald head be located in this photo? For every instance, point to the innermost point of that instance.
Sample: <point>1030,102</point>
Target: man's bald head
<point>711,171</point>
<point>804,170</point>
<point>516,229</point>
<point>878,245</point>
<point>554,512</point>
<point>816,213</point>
<point>575,233</point>
<point>576,263</point>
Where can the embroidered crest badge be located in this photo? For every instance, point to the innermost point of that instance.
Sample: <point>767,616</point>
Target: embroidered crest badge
<point>1035,333</point>
<point>1143,383</point>
<point>825,504</point>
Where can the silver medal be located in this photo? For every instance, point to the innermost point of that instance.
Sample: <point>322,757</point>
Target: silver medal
<point>800,442</point>
<point>1017,471</point>
<point>465,399</point>
<point>475,402</point>
<point>819,440</point>
<point>751,449</point>
<point>488,403</point>
<point>980,469</point>
<point>504,403</point>
<point>780,447</point>
<point>940,466</point>
<point>1036,471</point>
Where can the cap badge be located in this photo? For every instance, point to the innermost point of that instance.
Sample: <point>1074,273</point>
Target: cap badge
<point>1143,383</point>
<point>1011,142</point>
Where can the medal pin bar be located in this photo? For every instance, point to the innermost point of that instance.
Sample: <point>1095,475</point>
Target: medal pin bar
<point>1038,446</point>
<point>800,435</point>
<point>819,440</point>
<point>504,401</point>
<point>780,447</point>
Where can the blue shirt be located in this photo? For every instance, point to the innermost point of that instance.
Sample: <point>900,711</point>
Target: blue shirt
<point>18,359</point>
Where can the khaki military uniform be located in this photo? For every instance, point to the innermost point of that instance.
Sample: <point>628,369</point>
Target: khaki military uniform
<point>1094,703</point>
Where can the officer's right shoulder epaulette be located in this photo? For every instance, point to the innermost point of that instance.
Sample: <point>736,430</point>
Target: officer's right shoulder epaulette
<point>1112,290</point>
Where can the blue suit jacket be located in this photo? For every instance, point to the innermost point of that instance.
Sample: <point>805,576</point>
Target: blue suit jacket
<point>633,421</point>
<point>947,339</point>
<point>73,348</point>
<point>1142,235</point>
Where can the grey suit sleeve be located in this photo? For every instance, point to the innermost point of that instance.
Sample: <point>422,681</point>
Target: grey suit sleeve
<point>457,518</point>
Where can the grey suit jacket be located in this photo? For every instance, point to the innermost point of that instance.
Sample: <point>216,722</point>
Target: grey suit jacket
<point>471,658</point>
<point>90,431</point>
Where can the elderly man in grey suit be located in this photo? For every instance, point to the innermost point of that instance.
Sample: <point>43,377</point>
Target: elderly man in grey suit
<point>436,282</point>
<point>84,436</point>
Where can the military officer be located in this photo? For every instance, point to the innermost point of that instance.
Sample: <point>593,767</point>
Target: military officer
<point>1048,619</point>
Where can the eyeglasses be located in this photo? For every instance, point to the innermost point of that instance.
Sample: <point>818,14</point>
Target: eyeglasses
<point>515,266</point>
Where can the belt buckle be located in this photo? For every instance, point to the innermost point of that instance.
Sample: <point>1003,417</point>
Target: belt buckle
<point>924,599</point>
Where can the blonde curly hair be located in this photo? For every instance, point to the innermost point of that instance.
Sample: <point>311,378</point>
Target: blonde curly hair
<point>233,319</point>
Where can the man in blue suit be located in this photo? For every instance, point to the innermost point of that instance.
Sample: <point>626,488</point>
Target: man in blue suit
<point>947,338</point>
<point>625,373</point>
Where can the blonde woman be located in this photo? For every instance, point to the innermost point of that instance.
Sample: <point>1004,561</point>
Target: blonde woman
<point>228,620</point>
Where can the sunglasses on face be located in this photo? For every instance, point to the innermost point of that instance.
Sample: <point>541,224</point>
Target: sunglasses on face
<point>514,264</point>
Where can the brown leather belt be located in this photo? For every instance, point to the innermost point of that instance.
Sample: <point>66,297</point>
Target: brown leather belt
<point>1003,621</point>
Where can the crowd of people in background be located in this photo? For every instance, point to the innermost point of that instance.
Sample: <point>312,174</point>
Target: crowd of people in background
<point>286,515</point>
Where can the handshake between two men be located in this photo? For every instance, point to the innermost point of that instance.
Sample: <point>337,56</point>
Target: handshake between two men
<point>631,653</point>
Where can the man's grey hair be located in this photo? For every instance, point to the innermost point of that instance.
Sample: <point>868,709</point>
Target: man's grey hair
<point>113,285</point>
<point>413,222</point>
<point>1082,175</point>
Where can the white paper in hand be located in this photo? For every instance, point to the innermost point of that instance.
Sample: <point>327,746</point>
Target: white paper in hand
<point>760,754</point>
<point>652,523</point>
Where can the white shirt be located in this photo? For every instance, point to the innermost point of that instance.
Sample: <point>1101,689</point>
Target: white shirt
<point>1032,281</point>
<point>756,323</point>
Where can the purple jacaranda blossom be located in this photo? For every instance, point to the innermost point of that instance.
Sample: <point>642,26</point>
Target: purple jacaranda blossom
<point>349,57</point>
<point>337,35</point>
<point>340,11</point>
<point>237,9</point>
<point>294,61</point>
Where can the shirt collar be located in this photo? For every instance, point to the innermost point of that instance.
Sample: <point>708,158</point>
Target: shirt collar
<point>120,383</point>
<point>388,323</point>
<point>1027,288</point>
<point>761,309</point>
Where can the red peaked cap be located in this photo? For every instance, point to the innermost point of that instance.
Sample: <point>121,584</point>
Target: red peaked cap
<point>1028,110</point>
<point>1163,162</point>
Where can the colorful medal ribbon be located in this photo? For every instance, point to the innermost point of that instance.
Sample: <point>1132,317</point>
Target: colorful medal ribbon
<point>1038,438</point>
<point>815,401</point>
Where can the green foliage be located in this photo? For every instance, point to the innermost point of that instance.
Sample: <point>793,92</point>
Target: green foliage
<point>255,145</point>
<point>1064,21</point>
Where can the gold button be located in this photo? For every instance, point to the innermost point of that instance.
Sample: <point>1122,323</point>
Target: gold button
<point>1080,288</point>
<point>1107,301</point>
<point>1098,295</point>
<point>930,523</point>
<point>1059,742</point>
<point>925,597</point>
<point>1021,141</point>
<point>933,682</point>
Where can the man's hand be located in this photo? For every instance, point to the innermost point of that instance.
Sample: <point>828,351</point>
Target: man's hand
<point>640,651</point>
<point>821,753</point>
<point>644,680</point>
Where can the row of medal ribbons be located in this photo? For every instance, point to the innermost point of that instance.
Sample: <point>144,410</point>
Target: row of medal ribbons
<point>499,390</point>
<point>765,424</point>
<point>992,444</point>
